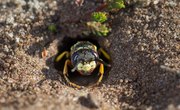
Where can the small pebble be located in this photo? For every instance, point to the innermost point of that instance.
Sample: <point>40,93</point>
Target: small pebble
<point>17,39</point>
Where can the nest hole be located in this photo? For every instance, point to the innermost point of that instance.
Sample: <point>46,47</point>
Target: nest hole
<point>75,77</point>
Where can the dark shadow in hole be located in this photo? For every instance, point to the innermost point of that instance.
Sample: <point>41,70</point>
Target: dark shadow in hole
<point>75,77</point>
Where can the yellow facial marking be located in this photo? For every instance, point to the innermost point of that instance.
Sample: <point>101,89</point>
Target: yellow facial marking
<point>86,66</point>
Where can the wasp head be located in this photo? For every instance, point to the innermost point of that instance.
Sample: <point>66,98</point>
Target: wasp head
<point>86,68</point>
<point>84,61</point>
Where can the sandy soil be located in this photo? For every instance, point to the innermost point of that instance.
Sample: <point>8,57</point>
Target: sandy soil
<point>144,45</point>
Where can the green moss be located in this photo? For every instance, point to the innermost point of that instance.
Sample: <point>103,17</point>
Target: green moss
<point>98,28</point>
<point>99,16</point>
<point>116,4</point>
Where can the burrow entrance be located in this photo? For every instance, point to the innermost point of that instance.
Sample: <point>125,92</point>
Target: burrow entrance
<point>75,77</point>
